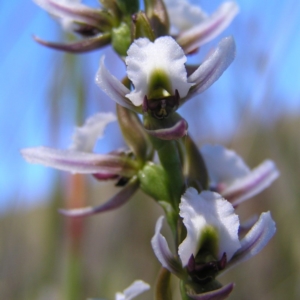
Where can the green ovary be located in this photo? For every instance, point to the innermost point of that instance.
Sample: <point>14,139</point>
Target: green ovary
<point>159,85</point>
<point>208,245</point>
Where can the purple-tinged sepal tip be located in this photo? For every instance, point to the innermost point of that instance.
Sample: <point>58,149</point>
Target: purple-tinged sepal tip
<point>116,201</point>
<point>81,46</point>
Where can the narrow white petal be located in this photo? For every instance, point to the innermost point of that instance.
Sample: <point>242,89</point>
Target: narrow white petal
<point>255,240</point>
<point>78,162</point>
<point>112,86</point>
<point>116,201</point>
<point>252,184</point>
<point>207,209</point>
<point>135,289</point>
<point>162,250</point>
<point>86,136</point>
<point>208,28</point>
<point>213,67</point>
<point>69,12</point>
<point>183,15</point>
<point>232,178</point>
<point>224,166</point>
<point>145,59</point>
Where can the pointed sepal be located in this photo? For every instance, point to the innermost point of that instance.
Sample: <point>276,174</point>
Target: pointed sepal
<point>207,28</point>
<point>218,294</point>
<point>255,240</point>
<point>212,67</point>
<point>81,46</point>
<point>163,252</point>
<point>116,201</point>
<point>77,162</point>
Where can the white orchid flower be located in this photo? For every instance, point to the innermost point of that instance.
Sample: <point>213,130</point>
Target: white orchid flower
<point>160,82</point>
<point>232,178</point>
<point>193,27</point>
<point>212,242</point>
<point>79,158</point>
<point>136,288</point>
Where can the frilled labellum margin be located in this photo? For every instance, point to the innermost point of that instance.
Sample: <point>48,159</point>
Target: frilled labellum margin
<point>160,83</point>
<point>212,243</point>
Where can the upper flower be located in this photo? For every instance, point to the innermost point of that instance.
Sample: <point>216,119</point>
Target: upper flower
<point>156,70</point>
<point>212,242</point>
<point>160,81</point>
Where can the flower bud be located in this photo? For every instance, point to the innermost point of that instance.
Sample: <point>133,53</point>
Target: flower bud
<point>121,38</point>
<point>142,27</point>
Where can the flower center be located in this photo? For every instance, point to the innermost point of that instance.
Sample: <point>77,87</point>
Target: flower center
<point>161,108</point>
<point>204,272</point>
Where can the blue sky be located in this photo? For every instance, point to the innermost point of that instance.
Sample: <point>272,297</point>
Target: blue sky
<point>267,40</point>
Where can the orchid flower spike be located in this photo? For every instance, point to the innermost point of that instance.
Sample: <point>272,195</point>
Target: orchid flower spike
<point>212,242</point>
<point>232,178</point>
<point>160,82</point>
<point>91,23</point>
<point>79,158</point>
<point>193,27</point>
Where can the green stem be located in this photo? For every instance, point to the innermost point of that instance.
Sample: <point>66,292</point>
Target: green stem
<point>169,156</point>
<point>163,291</point>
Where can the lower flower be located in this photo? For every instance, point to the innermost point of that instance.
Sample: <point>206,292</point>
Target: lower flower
<point>212,243</point>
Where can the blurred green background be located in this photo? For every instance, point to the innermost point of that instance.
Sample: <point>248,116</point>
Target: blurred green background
<point>253,109</point>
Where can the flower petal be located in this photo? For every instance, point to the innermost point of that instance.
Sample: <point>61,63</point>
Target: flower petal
<point>224,166</point>
<point>81,46</point>
<point>163,59</point>
<point>162,250</point>
<point>208,28</point>
<point>80,162</point>
<point>72,10</point>
<point>219,294</point>
<point>116,201</point>
<point>183,15</point>
<point>113,87</point>
<point>207,209</point>
<point>212,68</point>
<point>86,136</point>
<point>250,185</point>
<point>177,131</point>
<point>248,224</point>
<point>255,240</point>
<point>135,289</point>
